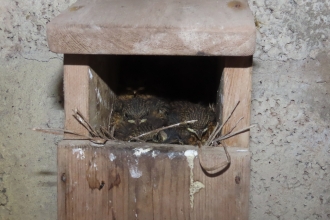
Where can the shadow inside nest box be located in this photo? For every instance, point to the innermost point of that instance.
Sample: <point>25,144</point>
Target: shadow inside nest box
<point>192,78</point>
<point>195,79</point>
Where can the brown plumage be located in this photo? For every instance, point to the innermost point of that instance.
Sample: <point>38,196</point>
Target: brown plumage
<point>190,133</point>
<point>144,128</point>
<point>135,115</point>
<point>136,110</point>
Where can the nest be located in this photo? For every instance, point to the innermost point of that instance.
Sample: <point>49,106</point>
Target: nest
<point>103,134</point>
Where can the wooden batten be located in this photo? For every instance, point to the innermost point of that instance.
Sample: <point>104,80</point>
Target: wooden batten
<point>86,91</point>
<point>148,181</point>
<point>76,92</point>
<point>235,86</point>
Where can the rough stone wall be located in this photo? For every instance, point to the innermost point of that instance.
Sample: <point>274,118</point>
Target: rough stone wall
<point>291,29</point>
<point>31,95</point>
<point>290,105</point>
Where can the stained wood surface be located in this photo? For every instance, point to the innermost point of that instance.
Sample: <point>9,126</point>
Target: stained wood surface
<point>86,91</point>
<point>76,92</point>
<point>155,27</point>
<point>235,86</point>
<point>148,181</point>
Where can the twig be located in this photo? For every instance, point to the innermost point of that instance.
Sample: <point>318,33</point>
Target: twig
<point>50,131</point>
<point>163,128</point>
<point>98,137</point>
<point>231,130</point>
<point>218,129</point>
<point>109,120</point>
<point>231,113</point>
<point>81,119</point>
<point>230,135</point>
<point>218,166</point>
<point>227,154</point>
<point>213,134</point>
<point>112,131</point>
<point>105,132</point>
<point>135,139</point>
<point>58,132</point>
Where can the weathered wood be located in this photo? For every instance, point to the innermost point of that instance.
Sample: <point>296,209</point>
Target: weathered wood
<point>101,100</point>
<point>148,181</point>
<point>86,91</point>
<point>62,163</point>
<point>236,86</point>
<point>76,83</point>
<point>157,27</point>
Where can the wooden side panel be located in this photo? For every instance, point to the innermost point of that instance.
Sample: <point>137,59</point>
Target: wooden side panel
<point>76,83</point>
<point>236,86</point>
<point>101,100</point>
<point>86,91</point>
<point>139,181</point>
<point>227,195</point>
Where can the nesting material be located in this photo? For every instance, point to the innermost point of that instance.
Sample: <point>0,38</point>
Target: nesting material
<point>103,134</point>
<point>153,119</point>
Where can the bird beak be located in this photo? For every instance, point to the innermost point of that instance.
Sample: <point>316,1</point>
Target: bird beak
<point>199,134</point>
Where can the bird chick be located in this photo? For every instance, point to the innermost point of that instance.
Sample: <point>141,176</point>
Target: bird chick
<point>158,112</point>
<point>132,112</point>
<point>185,111</point>
<point>135,110</point>
<point>143,129</point>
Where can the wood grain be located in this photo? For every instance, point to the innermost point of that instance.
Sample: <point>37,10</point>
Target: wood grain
<point>86,91</point>
<point>101,100</point>
<point>147,181</point>
<point>155,27</point>
<point>76,83</point>
<point>236,86</point>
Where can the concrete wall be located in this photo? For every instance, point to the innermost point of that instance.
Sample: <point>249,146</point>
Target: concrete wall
<point>290,103</point>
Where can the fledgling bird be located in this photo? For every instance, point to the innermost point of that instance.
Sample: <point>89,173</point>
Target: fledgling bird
<point>135,110</point>
<point>128,131</point>
<point>185,111</point>
<point>137,114</point>
<point>145,128</point>
<point>158,111</point>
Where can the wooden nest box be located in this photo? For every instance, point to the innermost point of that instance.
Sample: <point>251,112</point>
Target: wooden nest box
<point>131,180</point>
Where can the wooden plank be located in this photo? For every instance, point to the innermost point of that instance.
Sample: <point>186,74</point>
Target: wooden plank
<point>86,91</point>
<point>236,86</point>
<point>61,186</point>
<point>155,27</point>
<point>101,100</point>
<point>149,181</point>
<point>76,84</point>
<point>227,193</point>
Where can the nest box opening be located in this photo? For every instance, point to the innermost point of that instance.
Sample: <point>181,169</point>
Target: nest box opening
<point>191,78</point>
<point>188,79</point>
